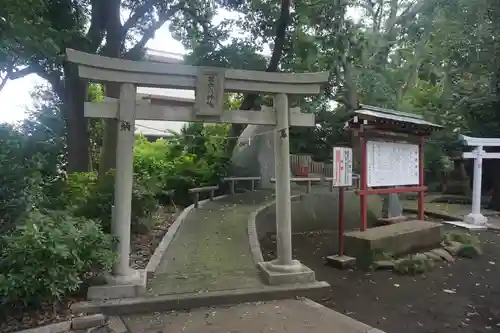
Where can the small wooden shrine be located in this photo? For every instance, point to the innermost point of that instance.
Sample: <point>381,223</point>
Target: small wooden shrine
<point>390,149</point>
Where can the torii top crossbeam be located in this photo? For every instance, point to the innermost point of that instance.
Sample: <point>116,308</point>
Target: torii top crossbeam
<point>177,76</point>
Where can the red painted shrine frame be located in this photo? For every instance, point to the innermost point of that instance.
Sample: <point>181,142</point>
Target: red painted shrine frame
<point>363,191</point>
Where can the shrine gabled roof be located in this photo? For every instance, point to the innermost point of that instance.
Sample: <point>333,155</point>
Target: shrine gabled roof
<point>393,116</point>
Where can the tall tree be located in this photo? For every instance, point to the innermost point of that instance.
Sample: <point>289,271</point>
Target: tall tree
<point>92,26</point>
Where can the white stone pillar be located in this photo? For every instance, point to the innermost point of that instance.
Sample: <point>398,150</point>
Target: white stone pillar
<point>475,217</point>
<point>282,173</point>
<point>120,224</point>
<point>283,270</point>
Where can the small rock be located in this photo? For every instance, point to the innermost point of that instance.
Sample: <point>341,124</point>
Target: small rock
<point>420,256</point>
<point>453,247</point>
<point>387,264</point>
<point>433,256</point>
<point>443,254</point>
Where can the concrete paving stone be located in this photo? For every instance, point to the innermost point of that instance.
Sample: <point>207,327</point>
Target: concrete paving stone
<point>210,250</point>
<point>94,320</point>
<point>286,316</point>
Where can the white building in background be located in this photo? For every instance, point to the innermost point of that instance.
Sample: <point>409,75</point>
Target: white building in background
<point>158,128</point>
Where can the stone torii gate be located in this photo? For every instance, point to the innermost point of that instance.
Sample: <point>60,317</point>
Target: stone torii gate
<point>210,84</point>
<point>475,220</point>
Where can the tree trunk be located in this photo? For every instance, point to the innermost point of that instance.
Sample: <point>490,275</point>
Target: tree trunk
<point>74,96</point>
<point>113,50</point>
<point>108,152</point>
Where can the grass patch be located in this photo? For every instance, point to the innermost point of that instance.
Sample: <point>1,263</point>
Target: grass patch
<point>414,265</point>
<point>460,237</point>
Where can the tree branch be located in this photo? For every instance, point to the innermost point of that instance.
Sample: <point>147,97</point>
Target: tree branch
<point>250,100</point>
<point>279,42</point>
<point>5,79</point>
<point>95,34</point>
<point>13,75</point>
<point>205,24</point>
<point>137,15</point>
<point>135,52</point>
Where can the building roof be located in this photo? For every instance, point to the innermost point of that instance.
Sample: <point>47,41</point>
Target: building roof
<point>161,128</point>
<point>371,118</point>
<point>393,115</point>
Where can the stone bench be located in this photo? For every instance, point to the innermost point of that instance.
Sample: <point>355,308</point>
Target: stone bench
<point>198,190</point>
<point>232,182</point>
<point>308,180</point>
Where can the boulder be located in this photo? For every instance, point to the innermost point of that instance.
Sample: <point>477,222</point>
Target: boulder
<point>253,155</point>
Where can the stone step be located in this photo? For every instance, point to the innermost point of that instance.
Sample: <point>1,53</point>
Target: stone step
<point>197,300</point>
<point>399,238</point>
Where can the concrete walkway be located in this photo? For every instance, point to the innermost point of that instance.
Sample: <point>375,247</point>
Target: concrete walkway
<point>211,250</point>
<point>285,316</point>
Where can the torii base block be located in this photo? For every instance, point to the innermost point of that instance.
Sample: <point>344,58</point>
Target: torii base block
<point>275,274</point>
<point>471,222</point>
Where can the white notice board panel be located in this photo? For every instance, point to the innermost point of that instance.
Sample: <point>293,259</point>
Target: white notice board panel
<point>391,163</point>
<point>342,166</point>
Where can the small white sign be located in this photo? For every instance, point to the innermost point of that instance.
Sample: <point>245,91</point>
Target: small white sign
<point>342,167</point>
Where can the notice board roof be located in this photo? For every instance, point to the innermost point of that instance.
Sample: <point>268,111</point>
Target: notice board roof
<point>387,119</point>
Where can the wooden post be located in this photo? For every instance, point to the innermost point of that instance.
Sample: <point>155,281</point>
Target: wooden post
<point>120,224</point>
<point>421,194</point>
<point>196,199</point>
<point>341,221</point>
<point>253,184</point>
<point>231,186</point>
<point>309,186</point>
<point>363,180</point>
<point>212,195</point>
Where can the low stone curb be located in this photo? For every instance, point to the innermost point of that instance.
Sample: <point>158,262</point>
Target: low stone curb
<point>78,323</point>
<point>188,301</point>
<point>253,237</point>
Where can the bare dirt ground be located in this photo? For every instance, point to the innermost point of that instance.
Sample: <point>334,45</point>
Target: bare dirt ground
<point>463,296</point>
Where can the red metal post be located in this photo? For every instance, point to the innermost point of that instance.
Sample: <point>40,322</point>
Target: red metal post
<point>363,185</point>
<point>341,221</point>
<point>421,178</point>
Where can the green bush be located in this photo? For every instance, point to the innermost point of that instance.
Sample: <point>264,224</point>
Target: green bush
<point>49,255</point>
<point>181,162</point>
<point>17,178</point>
<point>92,198</point>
